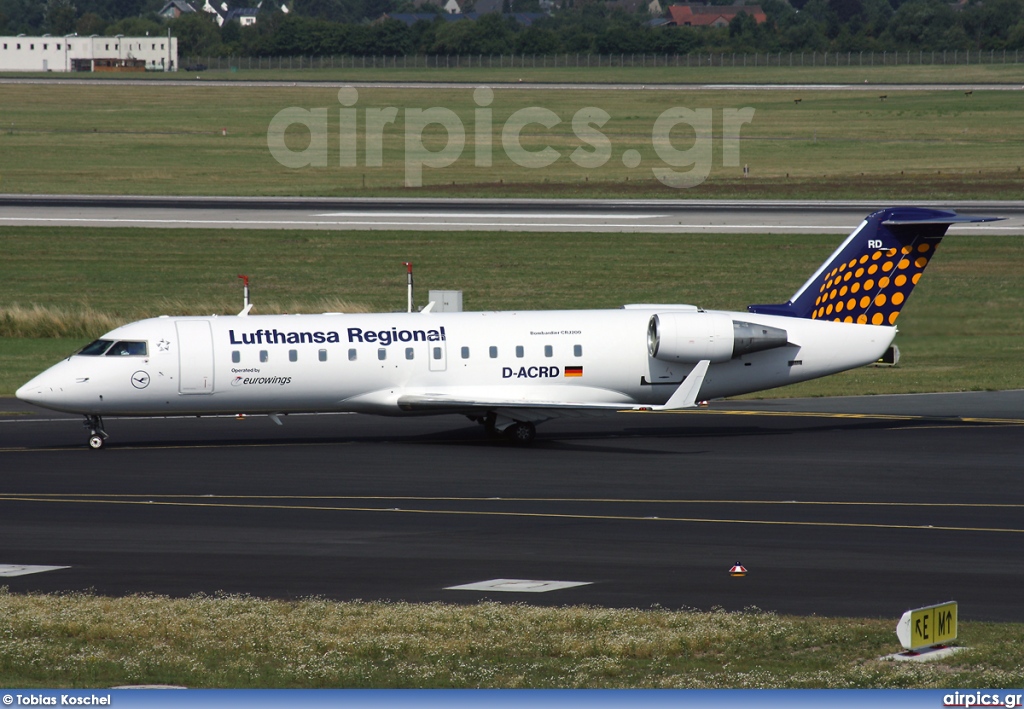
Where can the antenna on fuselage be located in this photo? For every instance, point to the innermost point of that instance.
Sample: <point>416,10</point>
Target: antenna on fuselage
<point>246,305</point>
<point>408,266</point>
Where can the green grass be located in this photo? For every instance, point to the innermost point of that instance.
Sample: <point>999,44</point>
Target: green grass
<point>960,330</point>
<point>23,358</point>
<point>88,641</point>
<point>168,139</point>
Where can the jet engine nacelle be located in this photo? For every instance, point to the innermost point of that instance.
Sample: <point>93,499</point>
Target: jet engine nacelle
<point>693,336</point>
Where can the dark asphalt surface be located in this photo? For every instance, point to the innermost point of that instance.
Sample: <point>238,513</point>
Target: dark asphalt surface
<point>452,215</point>
<point>862,506</point>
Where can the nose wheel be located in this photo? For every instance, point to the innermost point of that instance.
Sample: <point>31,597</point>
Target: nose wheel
<point>97,436</point>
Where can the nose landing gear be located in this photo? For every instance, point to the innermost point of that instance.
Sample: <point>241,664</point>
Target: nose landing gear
<point>97,436</point>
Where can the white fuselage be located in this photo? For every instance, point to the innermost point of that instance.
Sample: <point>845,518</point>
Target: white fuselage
<point>368,362</point>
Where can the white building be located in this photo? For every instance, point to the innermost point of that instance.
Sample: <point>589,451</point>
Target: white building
<point>74,53</point>
<point>246,16</point>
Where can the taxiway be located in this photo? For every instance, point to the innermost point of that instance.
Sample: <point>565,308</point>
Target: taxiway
<point>862,506</point>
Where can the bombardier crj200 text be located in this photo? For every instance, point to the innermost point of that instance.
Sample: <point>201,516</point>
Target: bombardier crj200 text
<point>507,370</point>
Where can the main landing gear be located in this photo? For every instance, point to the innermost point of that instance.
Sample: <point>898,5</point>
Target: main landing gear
<point>518,432</point>
<point>521,433</point>
<point>97,436</point>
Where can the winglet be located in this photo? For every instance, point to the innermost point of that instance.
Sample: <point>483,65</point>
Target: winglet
<point>685,397</point>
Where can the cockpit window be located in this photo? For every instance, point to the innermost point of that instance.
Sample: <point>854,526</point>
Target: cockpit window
<point>125,348</point>
<point>96,348</point>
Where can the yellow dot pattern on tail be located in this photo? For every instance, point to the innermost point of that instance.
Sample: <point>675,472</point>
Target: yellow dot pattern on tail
<point>872,288</point>
<point>869,277</point>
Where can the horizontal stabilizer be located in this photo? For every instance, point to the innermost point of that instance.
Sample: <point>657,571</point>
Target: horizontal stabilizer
<point>951,218</point>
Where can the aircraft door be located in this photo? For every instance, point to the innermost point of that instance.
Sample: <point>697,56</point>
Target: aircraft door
<point>437,353</point>
<point>195,357</point>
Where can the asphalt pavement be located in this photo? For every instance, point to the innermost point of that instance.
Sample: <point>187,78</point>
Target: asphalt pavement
<point>859,506</point>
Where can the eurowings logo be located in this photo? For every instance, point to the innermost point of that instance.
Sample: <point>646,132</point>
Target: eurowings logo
<point>244,381</point>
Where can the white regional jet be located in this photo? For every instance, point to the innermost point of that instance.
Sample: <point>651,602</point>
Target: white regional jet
<point>506,370</point>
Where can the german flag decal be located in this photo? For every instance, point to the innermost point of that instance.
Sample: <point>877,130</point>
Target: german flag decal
<point>574,371</point>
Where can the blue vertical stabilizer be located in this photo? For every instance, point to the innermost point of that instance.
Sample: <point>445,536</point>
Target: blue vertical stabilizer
<point>869,277</point>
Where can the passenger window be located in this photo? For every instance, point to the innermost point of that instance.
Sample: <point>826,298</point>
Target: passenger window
<point>126,349</point>
<point>577,350</point>
<point>519,351</point>
<point>96,348</point>
<point>382,353</point>
<point>236,356</point>
<point>465,353</point>
<point>352,355</point>
<point>322,355</point>
<point>408,353</point>
<point>264,356</point>
<point>293,355</point>
<point>548,351</point>
<point>493,352</point>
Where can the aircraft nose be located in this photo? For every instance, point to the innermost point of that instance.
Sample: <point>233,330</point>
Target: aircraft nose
<point>41,391</point>
<point>32,392</point>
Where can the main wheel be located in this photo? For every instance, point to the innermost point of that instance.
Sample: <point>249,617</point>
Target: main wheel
<point>489,425</point>
<point>96,442</point>
<point>521,432</point>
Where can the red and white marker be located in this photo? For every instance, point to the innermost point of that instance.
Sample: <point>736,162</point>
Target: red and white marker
<point>738,570</point>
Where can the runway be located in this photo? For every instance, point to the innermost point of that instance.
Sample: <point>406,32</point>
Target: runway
<point>184,79</point>
<point>615,216</point>
<point>861,506</point>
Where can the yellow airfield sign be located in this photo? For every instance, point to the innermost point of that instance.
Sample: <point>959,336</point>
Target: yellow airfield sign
<point>925,627</point>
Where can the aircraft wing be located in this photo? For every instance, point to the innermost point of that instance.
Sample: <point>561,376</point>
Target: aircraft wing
<point>483,401</point>
<point>545,401</point>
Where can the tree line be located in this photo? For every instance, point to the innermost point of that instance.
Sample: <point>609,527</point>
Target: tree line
<point>357,27</point>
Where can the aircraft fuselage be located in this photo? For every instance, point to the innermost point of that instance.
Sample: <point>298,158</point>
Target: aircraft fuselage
<point>369,362</point>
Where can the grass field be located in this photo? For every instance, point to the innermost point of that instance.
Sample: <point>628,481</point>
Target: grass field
<point>170,139</point>
<point>960,331</point>
<point>87,641</point>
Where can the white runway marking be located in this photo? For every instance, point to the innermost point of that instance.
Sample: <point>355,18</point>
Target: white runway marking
<point>498,215</point>
<point>415,224</point>
<point>8,570</point>
<point>570,222</point>
<point>518,586</point>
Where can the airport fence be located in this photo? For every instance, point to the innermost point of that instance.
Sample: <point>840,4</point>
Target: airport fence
<point>950,57</point>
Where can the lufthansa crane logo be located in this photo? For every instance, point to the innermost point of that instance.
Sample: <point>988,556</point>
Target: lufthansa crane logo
<point>140,380</point>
